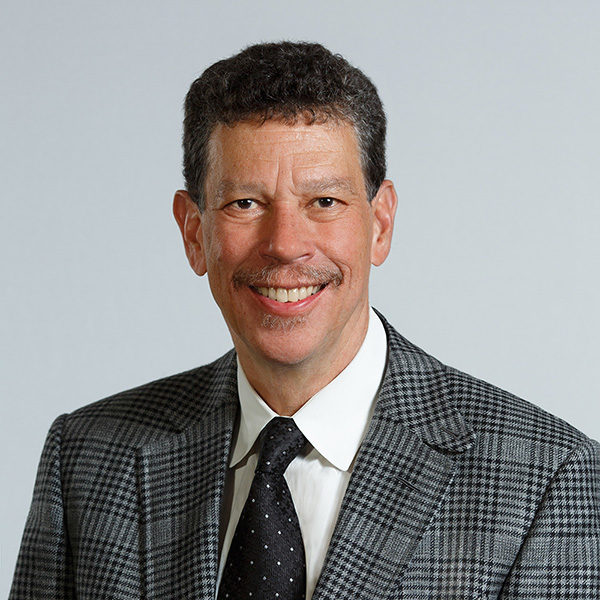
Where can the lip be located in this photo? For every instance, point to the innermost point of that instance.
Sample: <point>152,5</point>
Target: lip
<point>286,308</point>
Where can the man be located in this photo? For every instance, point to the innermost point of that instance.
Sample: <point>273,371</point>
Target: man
<point>326,456</point>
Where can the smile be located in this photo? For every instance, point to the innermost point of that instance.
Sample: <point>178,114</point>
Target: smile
<point>288,294</point>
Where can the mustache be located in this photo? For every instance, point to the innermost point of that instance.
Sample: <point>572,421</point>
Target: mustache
<point>274,275</point>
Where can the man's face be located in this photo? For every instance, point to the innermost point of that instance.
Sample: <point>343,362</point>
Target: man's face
<point>287,238</point>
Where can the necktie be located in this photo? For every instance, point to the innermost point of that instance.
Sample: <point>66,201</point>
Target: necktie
<point>266,558</point>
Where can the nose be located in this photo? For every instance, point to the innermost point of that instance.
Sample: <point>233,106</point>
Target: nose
<point>286,235</point>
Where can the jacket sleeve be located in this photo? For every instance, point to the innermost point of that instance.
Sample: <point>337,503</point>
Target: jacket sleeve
<point>560,556</point>
<point>43,568</point>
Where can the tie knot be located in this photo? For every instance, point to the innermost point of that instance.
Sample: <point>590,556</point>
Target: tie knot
<point>282,441</point>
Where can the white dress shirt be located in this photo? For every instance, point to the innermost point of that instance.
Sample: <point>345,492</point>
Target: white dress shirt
<point>334,421</point>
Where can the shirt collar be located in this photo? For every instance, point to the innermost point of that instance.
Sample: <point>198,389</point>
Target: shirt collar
<point>336,418</point>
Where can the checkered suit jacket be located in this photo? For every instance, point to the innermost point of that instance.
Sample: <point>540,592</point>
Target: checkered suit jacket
<point>460,490</point>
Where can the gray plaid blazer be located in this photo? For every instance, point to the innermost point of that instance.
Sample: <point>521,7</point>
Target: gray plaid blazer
<point>460,490</point>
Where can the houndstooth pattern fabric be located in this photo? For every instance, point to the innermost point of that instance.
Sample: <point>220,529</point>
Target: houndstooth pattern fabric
<point>459,491</point>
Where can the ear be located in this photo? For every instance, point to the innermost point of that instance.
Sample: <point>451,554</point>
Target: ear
<point>384,210</point>
<point>188,217</point>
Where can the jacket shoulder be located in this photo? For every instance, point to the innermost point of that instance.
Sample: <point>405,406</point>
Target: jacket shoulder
<point>493,411</point>
<point>490,410</point>
<point>148,412</point>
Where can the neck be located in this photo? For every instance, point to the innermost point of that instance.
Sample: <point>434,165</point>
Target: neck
<point>287,387</point>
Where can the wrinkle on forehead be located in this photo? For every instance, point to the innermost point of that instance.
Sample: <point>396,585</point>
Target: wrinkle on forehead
<point>286,132</point>
<point>293,154</point>
<point>314,187</point>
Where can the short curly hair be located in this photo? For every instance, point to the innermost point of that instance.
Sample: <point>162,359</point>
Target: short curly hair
<point>286,81</point>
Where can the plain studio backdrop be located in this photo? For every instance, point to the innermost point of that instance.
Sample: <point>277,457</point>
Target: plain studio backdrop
<point>493,146</point>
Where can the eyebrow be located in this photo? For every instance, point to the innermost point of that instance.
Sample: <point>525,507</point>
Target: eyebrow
<point>312,187</point>
<point>227,186</point>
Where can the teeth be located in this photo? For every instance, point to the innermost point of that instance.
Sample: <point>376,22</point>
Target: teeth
<point>288,295</point>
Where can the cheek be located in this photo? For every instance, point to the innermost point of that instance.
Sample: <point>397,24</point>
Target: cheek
<point>216,245</point>
<point>354,263</point>
<point>350,246</point>
<point>215,264</point>
<point>227,248</point>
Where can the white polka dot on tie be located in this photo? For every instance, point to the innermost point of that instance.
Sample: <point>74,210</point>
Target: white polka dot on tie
<point>249,593</point>
<point>251,562</point>
<point>291,579</point>
<point>264,577</point>
<point>289,428</point>
<point>266,546</point>
<point>253,500</point>
<point>279,532</point>
<point>278,563</point>
<point>268,485</point>
<point>266,516</point>
<point>252,531</point>
<point>276,594</point>
<point>268,462</point>
<point>291,549</point>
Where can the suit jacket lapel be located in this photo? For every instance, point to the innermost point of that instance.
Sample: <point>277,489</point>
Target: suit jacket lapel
<point>402,472</point>
<point>180,482</point>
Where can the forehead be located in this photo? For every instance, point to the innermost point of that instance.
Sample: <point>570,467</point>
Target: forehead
<point>251,151</point>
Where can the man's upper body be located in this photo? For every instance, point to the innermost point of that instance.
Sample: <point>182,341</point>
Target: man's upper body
<point>459,490</point>
<point>454,489</point>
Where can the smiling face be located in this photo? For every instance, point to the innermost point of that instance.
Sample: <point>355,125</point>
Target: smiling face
<point>287,238</point>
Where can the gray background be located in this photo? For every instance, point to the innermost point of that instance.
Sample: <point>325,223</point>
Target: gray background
<point>493,146</point>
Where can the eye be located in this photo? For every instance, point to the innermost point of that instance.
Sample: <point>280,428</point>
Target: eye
<point>243,203</point>
<point>325,202</point>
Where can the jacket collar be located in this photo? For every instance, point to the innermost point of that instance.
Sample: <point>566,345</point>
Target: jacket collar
<point>416,395</point>
<point>402,474</point>
<point>180,485</point>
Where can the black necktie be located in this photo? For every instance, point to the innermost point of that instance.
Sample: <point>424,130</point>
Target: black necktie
<point>266,558</point>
